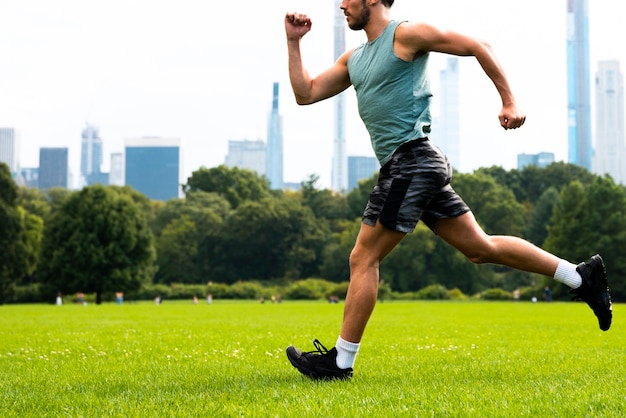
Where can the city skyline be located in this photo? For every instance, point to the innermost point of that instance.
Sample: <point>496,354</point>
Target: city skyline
<point>163,71</point>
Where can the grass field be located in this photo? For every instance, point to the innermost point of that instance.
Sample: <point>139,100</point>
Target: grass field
<point>227,359</point>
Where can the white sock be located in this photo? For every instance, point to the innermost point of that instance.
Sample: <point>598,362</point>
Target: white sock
<point>566,273</point>
<point>346,353</point>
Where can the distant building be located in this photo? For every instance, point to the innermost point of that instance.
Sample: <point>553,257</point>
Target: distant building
<point>153,167</point>
<point>360,168</point>
<point>116,173</point>
<point>447,133</point>
<point>580,150</point>
<point>541,160</point>
<point>91,158</point>
<point>274,162</point>
<point>53,168</point>
<point>339,173</point>
<point>251,155</point>
<point>29,177</point>
<point>9,149</point>
<point>610,153</point>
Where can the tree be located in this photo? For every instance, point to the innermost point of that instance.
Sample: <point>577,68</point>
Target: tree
<point>357,198</point>
<point>234,184</point>
<point>494,205</point>
<point>591,219</point>
<point>324,203</point>
<point>98,241</point>
<point>13,258</point>
<point>271,239</point>
<point>541,215</point>
<point>206,210</point>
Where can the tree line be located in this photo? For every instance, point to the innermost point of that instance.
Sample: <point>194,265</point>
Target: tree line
<point>231,227</point>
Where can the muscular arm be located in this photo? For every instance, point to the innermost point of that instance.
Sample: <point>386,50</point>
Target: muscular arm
<point>309,89</point>
<point>415,38</point>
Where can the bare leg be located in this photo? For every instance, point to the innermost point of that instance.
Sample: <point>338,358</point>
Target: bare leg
<point>372,245</point>
<point>464,234</point>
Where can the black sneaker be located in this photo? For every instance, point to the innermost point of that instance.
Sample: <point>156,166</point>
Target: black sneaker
<point>594,290</point>
<point>320,364</point>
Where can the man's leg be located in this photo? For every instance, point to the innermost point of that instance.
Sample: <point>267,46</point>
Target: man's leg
<point>464,234</point>
<point>587,280</point>
<point>372,245</point>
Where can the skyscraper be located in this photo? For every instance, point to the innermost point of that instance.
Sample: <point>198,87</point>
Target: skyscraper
<point>153,167</point>
<point>446,135</point>
<point>9,149</point>
<point>580,150</point>
<point>53,168</point>
<point>339,179</point>
<point>90,156</point>
<point>251,155</point>
<point>274,168</point>
<point>610,154</point>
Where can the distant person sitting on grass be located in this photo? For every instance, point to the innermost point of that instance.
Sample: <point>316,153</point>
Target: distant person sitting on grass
<point>390,76</point>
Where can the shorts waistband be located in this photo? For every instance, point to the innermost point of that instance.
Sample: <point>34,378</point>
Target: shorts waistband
<point>412,143</point>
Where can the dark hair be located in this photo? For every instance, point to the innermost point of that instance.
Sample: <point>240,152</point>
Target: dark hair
<point>387,3</point>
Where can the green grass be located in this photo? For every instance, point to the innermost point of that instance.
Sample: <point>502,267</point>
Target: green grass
<point>227,359</point>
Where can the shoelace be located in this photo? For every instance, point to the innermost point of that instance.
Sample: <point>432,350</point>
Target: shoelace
<point>320,349</point>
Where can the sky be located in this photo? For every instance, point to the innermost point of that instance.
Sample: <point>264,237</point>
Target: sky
<point>203,72</point>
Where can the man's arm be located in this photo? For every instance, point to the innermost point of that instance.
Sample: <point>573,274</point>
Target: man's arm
<point>306,89</point>
<point>415,38</point>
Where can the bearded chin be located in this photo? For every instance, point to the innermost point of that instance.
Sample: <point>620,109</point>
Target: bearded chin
<point>362,20</point>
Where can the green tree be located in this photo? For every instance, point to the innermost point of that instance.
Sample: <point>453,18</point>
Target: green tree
<point>31,237</point>
<point>335,266</point>
<point>206,210</point>
<point>494,205</point>
<point>271,239</point>
<point>98,241</point>
<point>34,201</point>
<point>591,219</point>
<point>358,197</point>
<point>13,255</point>
<point>541,216</point>
<point>234,184</point>
<point>324,203</point>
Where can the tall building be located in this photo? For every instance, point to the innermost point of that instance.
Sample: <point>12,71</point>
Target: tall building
<point>9,149</point>
<point>90,157</point>
<point>53,168</point>
<point>447,134</point>
<point>153,167</point>
<point>610,153</point>
<point>339,179</point>
<point>116,173</point>
<point>541,160</point>
<point>360,168</point>
<point>251,155</point>
<point>274,166</point>
<point>580,150</point>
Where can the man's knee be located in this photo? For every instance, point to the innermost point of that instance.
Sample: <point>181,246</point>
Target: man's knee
<point>480,254</point>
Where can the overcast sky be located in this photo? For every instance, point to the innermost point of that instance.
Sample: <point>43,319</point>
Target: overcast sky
<point>203,72</point>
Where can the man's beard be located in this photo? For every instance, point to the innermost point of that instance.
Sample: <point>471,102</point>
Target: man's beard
<point>362,20</point>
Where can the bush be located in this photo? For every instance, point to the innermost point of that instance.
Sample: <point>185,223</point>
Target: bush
<point>496,294</point>
<point>456,294</point>
<point>27,294</point>
<point>314,289</point>
<point>433,292</point>
<point>302,291</point>
<point>245,290</point>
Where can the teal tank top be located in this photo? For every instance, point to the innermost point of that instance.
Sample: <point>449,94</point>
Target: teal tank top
<point>393,95</point>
